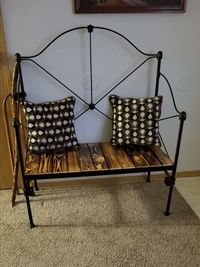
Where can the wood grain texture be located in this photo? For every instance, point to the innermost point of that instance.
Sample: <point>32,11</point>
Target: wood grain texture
<point>110,156</point>
<point>32,163</point>
<point>86,162</point>
<point>161,156</point>
<point>123,158</point>
<point>59,162</point>
<point>96,156</point>
<point>46,163</point>
<point>73,161</point>
<point>149,157</point>
<point>136,157</point>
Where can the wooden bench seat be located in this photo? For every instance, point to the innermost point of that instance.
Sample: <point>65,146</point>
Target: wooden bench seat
<point>95,159</point>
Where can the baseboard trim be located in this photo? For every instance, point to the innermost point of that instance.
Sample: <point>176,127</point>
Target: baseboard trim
<point>112,180</point>
<point>188,174</point>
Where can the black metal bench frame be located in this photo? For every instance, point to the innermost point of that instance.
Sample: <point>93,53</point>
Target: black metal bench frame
<point>20,94</point>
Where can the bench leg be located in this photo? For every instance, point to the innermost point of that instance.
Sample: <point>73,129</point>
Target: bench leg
<point>148,177</point>
<point>36,185</point>
<point>167,212</point>
<point>29,209</point>
<point>30,189</point>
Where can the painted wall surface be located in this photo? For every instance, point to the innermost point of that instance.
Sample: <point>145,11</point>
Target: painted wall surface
<point>29,25</point>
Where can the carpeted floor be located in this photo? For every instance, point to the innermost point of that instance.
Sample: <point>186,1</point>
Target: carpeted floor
<point>118,225</point>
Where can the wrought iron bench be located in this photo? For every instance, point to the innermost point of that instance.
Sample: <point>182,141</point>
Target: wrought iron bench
<point>89,159</point>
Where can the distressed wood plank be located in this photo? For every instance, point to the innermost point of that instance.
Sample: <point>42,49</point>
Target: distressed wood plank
<point>149,156</point>
<point>73,161</point>
<point>45,163</point>
<point>97,156</point>
<point>123,158</point>
<point>32,163</point>
<point>136,157</point>
<point>161,156</point>
<point>59,162</point>
<point>86,162</point>
<point>110,156</point>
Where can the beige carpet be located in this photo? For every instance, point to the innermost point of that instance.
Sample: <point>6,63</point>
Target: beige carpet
<point>118,225</point>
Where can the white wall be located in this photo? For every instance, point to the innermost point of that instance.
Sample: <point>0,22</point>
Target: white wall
<point>30,24</point>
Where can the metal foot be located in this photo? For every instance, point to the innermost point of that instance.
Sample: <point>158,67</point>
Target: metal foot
<point>14,193</point>
<point>169,181</point>
<point>29,209</point>
<point>148,177</point>
<point>32,225</point>
<point>36,185</point>
<point>166,213</point>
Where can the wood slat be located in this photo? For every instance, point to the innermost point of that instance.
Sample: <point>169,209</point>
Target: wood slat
<point>110,156</point>
<point>97,156</point>
<point>161,156</point>
<point>86,162</point>
<point>59,162</point>
<point>73,161</point>
<point>46,163</point>
<point>32,163</point>
<point>123,158</point>
<point>149,156</point>
<point>136,157</point>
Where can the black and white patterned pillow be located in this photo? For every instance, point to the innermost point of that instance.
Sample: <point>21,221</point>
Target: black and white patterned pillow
<point>50,125</point>
<point>135,120</point>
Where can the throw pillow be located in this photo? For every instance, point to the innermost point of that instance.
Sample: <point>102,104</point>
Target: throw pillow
<point>135,120</point>
<point>50,125</point>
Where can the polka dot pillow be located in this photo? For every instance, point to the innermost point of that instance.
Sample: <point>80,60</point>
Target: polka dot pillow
<point>50,125</point>
<point>135,120</point>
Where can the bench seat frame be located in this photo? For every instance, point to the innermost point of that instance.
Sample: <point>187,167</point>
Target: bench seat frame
<point>94,159</point>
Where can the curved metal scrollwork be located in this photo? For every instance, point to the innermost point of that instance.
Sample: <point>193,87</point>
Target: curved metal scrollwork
<point>91,105</point>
